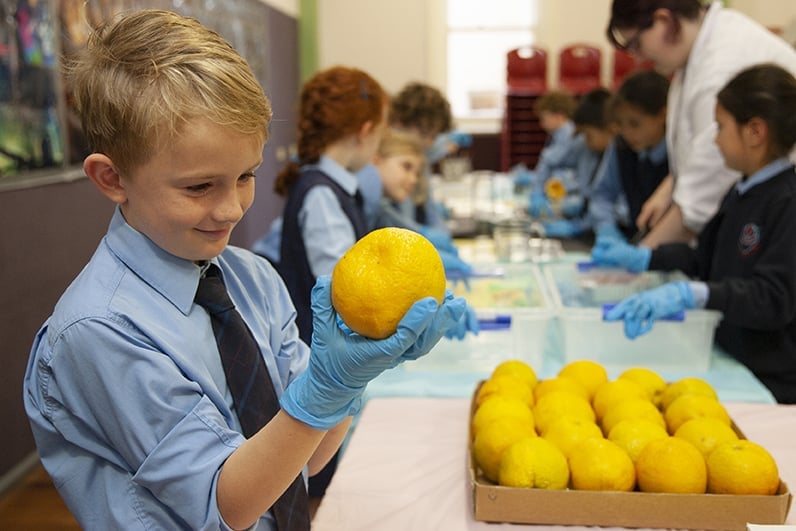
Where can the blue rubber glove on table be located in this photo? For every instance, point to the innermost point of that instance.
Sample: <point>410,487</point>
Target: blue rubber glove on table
<point>609,231</point>
<point>441,240</point>
<point>539,205</point>
<point>561,228</point>
<point>341,364</point>
<point>613,252</point>
<point>639,312</point>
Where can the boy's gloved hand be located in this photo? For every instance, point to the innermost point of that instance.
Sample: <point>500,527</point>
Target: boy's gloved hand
<point>539,205</point>
<point>561,228</point>
<point>641,310</point>
<point>341,364</point>
<point>442,241</point>
<point>460,138</point>
<point>523,177</point>
<point>572,206</point>
<point>611,252</point>
<point>609,231</point>
<point>468,323</point>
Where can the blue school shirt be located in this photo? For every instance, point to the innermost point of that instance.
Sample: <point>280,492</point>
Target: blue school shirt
<point>608,204</point>
<point>125,390</point>
<point>560,153</point>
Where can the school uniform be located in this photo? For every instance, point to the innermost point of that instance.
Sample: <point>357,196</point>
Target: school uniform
<point>746,256</point>
<point>125,390</point>
<point>626,181</point>
<point>727,43</point>
<point>322,219</point>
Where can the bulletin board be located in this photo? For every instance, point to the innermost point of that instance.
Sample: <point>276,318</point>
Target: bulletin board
<point>39,129</point>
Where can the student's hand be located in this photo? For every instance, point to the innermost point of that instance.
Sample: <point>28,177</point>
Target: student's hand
<point>572,206</point>
<point>539,205</point>
<point>453,264</point>
<point>468,323</point>
<point>609,231</point>
<point>561,228</point>
<point>640,311</point>
<point>460,139</point>
<point>523,177</point>
<point>656,205</point>
<point>611,252</point>
<point>341,363</point>
<point>442,241</point>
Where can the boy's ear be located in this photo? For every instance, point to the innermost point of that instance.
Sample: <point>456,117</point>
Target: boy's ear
<point>102,172</point>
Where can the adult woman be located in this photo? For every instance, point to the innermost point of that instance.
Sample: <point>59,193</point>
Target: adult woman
<point>702,47</point>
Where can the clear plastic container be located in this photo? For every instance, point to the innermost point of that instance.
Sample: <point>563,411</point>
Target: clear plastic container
<point>582,333</point>
<point>514,313</point>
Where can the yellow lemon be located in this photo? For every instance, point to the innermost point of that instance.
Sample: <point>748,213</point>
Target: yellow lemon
<point>557,404</point>
<point>559,383</point>
<point>519,369</point>
<point>599,464</point>
<point>588,373</point>
<point>533,463</point>
<point>686,386</point>
<point>652,382</point>
<point>742,467</point>
<point>671,465</point>
<point>567,431</point>
<point>688,407</point>
<point>632,408</point>
<point>615,391</point>
<point>632,435</point>
<point>499,406</point>
<point>379,278</point>
<point>705,433</point>
<point>505,385</point>
<point>554,189</point>
<point>493,439</point>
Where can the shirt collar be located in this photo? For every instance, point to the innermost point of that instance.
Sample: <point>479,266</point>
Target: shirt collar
<point>565,131</point>
<point>763,174</point>
<point>174,278</point>
<point>337,173</point>
<point>655,154</point>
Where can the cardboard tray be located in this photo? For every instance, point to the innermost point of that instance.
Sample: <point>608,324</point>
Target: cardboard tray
<point>493,503</point>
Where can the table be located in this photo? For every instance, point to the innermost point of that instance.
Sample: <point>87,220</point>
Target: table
<point>405,467</point>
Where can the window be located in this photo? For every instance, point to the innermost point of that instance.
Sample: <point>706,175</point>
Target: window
<point>477,44</point>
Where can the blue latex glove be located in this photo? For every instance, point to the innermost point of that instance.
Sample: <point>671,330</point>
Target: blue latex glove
<point>523,177</point>
<point>460,138</point>
<point>452,262</point>
<point>561,228</point>
<point>539,205</point>
<point>442,241</point>
<point>609,231</point>
<point>611,252</point>
<point>468,323</point>
<point>641,310</point>
<point>342,364</point>
<point>572,206</point>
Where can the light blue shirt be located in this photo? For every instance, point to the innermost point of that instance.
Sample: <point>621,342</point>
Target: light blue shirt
<point>326,230</point>
<point>608,204</point>
<point>560,153</point>
<point>125,391</point>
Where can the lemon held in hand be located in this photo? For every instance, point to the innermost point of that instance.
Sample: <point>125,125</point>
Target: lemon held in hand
<point>379,278</point>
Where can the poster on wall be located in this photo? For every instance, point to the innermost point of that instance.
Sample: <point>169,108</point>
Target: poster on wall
<point>39,126</point>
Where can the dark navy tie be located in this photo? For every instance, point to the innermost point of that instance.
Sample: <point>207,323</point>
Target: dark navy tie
<point>250,384</point>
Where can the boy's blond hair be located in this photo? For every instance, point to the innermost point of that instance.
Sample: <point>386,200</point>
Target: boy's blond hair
<point>556,101</point>
<point>141,78</point>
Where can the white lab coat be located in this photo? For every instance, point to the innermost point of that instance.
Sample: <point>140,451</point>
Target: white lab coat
<point>728,42</point>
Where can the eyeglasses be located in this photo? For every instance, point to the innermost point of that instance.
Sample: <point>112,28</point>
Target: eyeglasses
<point>630,44</point>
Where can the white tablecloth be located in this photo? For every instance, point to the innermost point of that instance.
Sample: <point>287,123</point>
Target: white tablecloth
<point>405,467</point>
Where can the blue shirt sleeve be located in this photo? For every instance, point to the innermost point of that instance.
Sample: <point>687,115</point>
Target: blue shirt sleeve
<point>558,154</point>
<point>607,189</point>
<point>326,230</point>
